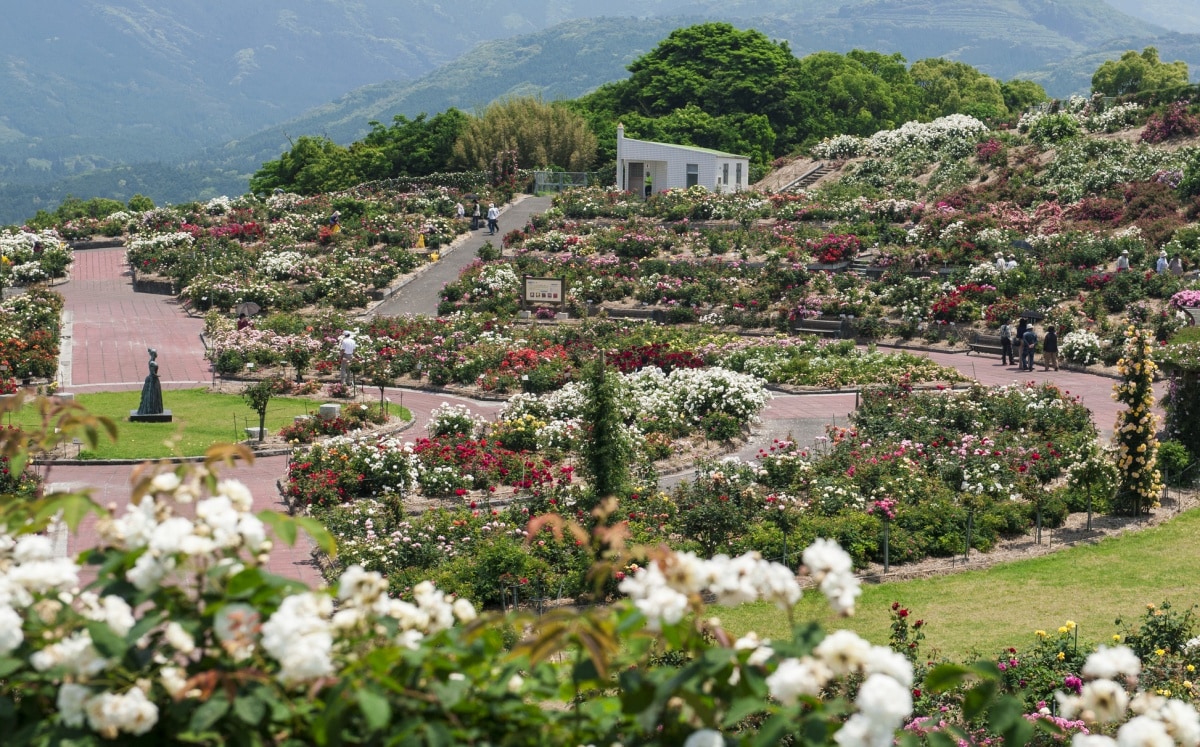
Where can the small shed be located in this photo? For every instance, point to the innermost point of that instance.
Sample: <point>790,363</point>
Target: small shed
<point>645,167</point>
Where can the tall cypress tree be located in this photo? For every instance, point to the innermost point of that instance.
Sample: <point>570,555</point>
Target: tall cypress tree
<point>605,449</point>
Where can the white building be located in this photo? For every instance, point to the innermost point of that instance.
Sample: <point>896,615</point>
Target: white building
<point>644,167</point>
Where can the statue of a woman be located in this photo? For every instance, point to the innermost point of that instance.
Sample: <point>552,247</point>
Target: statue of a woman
<point>152,403</point>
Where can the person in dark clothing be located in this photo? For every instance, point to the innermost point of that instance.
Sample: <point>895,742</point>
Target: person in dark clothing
<point>1029,342</point>
<point>1006,345</point>
<point>1050,350</point>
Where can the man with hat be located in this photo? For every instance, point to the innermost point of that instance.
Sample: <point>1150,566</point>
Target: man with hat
<point>1161,266</point>
<point>1123,261</point>
<point>347,345</point>
<point>1011,264</point>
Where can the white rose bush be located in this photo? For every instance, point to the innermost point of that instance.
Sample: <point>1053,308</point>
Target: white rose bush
<point>172,630</point>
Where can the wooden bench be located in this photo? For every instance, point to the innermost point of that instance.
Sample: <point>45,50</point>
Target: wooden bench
<point>1193,315</point>
<point>827,327</point>
<point>985,344</point>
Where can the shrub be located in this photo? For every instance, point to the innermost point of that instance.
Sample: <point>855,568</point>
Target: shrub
<point>1174,460</point>
<point>1176,121</point>
<point>1054,128</point>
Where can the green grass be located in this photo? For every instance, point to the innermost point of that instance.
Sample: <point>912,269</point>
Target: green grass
<point>981,612</point>
<point>201,418</point>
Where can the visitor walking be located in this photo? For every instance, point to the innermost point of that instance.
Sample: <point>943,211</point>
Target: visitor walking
<point>347,345</point>
<point>1006,345</point>
<point>1029,342</point>
<point>475,217</point>
<point>1050,349</point>
<point>460,212</point>
<point>493,218</point>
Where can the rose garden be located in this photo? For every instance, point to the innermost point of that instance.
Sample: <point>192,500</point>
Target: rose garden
<point>533,578</point>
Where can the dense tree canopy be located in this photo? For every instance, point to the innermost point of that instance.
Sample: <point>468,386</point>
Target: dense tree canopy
<point>542,135</point>
<point>1136,73</point>
<point>950,87</point>
<point>415,147</point>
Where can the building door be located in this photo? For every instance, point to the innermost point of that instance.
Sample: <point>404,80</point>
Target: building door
<point>636,182</point>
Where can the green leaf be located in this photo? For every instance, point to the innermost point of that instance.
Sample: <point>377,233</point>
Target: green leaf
<point>1004,714</point>
<point>108,643</point>
<point>941,739</point>
<point>283,526</point>
<point>319,534</point>
<point>209,713</point>
<point>943,677</point>
<point>741,708</point>
<point>977,699</point>
<point>375,708</point>
<point>244,583</point>
<point>249,709</point>
<point>9,665</point>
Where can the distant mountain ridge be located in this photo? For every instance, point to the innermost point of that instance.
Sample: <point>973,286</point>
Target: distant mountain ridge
<point>205,92</point>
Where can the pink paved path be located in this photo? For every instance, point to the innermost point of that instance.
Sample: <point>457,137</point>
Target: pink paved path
<point>111,328</point>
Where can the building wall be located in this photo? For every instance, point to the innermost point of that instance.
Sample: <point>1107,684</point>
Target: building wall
<point>666,165</point>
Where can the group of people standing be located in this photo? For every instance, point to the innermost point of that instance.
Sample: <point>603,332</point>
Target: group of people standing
<point>1024,340</point>
<point>493,216</point>
<point>1173,265</point>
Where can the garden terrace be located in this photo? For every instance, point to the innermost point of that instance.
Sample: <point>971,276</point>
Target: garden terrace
<point>282,253</point>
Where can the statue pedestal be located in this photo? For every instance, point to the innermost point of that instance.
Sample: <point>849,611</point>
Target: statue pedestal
<point>159,417</point>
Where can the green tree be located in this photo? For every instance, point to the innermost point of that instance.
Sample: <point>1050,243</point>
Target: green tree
<point>410,147</point>
<point>312,165</point>
<point>849,98</point>
<point>541,134</point>
<point>951,87</point>
<point>1020,95</point>
<point>140,203</point>
<point>1136,73</point>
<point>606,450</point>
<point>714,66</point>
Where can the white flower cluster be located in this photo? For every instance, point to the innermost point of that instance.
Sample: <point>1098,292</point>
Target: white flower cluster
<point>1105,699</point>
<point>29,567</point>
<point>448,419</point>
<point>496,279</point>
<point>884,699</point>
<point>279,265</point>
<point>1080,347</point>
<point>218,205</point>
<point>664,589</point>
<point>1113,119</point>
<point>833,570</point>
<point>222,522</point>
<point>160,241</point>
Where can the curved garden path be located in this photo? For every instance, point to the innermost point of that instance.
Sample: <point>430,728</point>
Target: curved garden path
<point>108,328</point>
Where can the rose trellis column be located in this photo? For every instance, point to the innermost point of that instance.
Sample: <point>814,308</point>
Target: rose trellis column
<point>1139,482</point>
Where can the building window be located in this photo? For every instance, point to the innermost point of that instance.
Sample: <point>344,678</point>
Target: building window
<point>725,173</point>
<point>737,182</point>
<point>693,174</point>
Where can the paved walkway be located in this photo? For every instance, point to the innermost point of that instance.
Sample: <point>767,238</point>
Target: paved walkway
<point>110,327</point>
<point>420,296</point>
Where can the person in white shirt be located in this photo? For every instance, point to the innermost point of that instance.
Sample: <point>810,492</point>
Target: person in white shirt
<point>1161,265</point>
<point>459,211</point>
<point>1123,261</point>
<point>1000,261</point>
<point>493,218</point>
<point>347,345</point>
<point>1011,264</point>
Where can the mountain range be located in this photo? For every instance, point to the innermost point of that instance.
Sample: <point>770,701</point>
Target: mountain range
<point>184,100</point>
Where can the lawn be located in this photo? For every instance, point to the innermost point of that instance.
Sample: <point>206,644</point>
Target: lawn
<point>201,418</point>
<point>981,612</point>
